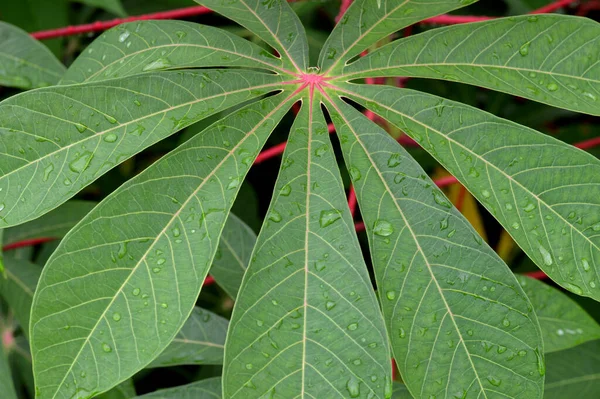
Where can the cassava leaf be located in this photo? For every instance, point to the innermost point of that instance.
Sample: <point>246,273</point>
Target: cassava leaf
<point>54,224</point>
<point>366,21</point>
<point>564,323</point>
<point>124,280</point>
<point>57,140</point>
<point>113,6</point>
<point>400,391</point>
<point>274,22</point>
<point>24,62</point>
<point>144,46</point>
<point>459,323</point>
<point>204,389</point>
<point>124,390</point>
<point>543,191</point>
<point>552,59</point>
<point>233,256</point>
<point>17,287</point>
<point>574,371</point>
<point>6,384</point>
<point>306,322</point>
<point>201,340</point>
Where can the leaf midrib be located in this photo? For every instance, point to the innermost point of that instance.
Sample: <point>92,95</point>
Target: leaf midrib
<point>160,234</point>
<point>419,249</point>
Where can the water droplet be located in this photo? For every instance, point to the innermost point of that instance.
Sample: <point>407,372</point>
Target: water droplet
<point>473,172</point>
<point>585,264</point>
<point>506,322</point>
<point>136,291</point>
<point>122,250</point>
<point>399,178</point>
<point>352,326</point>
<point>329,217</point>
<point>552,86</point>
<point>522,353</point>
<point>353,387</point>
<point>508,206</point>
<point>590,95</point>
<point>383,228</point>
<point>394,160</point>
<point>391,295</point>
<point>574,288</point>
<point>110,119</point>
<point>330,305</point>
<point>161,63</point>
<point>540,362</point>
<point>47,171</point>
<point>354,174</point>
<point>441,199</point>
<point>111,138</point>
<point>515,226</point>
<point>116,316</point>
<point>181,34</point>
<point>524,50</point>
<point>545,255</point>
<point>529,207</point>
<point>123,36</point>
<point>81,162</point>
<point>401,333</point>
<point>249,366</point>
<point>286,190</point>
<point>137,103</point>
<point>470,332</point>
<point>485,194</point>
<point>319,152</point>
<point>274,216</point>
<point>164,305</point>
<point>234,183</point>
<point>80,127</point>
<point>501,349</point>
<point>106,348</point>
<point>494,381</point>
<point>176,232</point>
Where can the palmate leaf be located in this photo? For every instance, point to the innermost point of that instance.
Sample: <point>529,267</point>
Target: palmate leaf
<point>55,141</point>
<point>201,340</point>
<point>306,322</point>
<point>543,191</point>
<point>367,21</point>
<point>564,323</point>
<point>458,320</point>
<point>145,46</point>
<point>128,275</point>
<point>273,21</point>
<point>233,256</point>
<point>552,59</point>
<point>204,389</point>
<point>54,224</point>
<point>24,62</point>
<point>574,371</point>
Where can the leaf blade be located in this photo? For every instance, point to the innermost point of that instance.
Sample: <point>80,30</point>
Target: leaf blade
<point>279,345</point>
<point>413,230</point>
<point>492,54</point>
<point>574,370</point>
<point>204,389</point>
<point>182,216</point>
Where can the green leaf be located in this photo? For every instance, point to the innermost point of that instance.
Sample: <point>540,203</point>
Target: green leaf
<point>143,46</point>
<point>306,321</point>
<point>400,391</point>
<point>17,287</point>
<point>122,300</point>
<point>574,371</point>
<point>547,58</point>
<point>457,318</point>
<point>20,360</point>
<point>512,171</point>
<point>205,389</point>
<point>6,385</point>
<point>54,224</point>
<point>113,6</point>
<point>233,256</point>
<point>124,390</point>
<point>55,141</point>
<point>274,22</point>
<point>201,340</point>
<point>365,22</point>
<point>24,62</point>
<point>564,323</point>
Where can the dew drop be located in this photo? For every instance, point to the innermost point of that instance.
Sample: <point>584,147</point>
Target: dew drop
<point>353,387</point>
<point>319,152</point>
<point>524,50</point>
<point>136,291</point>
<point>574,288</point>
<point>545,255</point>
<point>116,316</point>
<point>110,138</point>
<point>585,264</point>
<point>390,295</point>
<point>552,86</point>
<point>506,322</point>
<point>80,127</point>
<point>81,162</point>
<point>383,228</point>
<point>123,36</point>
<point>394,160</point>
<point>286,190</point>
<point>110,119</point>
<point>137,103</point>
<point>47,171</point>
<point>441,199</point>
<point>106,348</point>
<point>352,326</point>
<point>529,207</point>
<point>473,172</point>
<point>494,381</point>
<point>329,217</point>
<point>330,305</point>
<point>401,333</point>
<point>274,216</point>
<point>249,366</point>
<point>355,174</point>
<point>486,194</point>
<point>161,63</point>
<point>515,226</point>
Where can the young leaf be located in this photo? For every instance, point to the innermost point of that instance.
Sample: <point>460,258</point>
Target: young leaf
<point>458,320</point>
<point>512,171</point>
<point>57,140</point>
<point>366,21</point>
<point>17,287</point>
<point>564,323</point>
<point>209,389</point>
<point>574,371</point>
<point>145,46</point>
<point>233,256</point>
<point>274,22</point>
<point>546,58</point>
<point>6,384</point>
<point>201,340</point>
<point>306,322</point>
<point>24,62</point>
<point>54,224</point>
<point>122,300</point>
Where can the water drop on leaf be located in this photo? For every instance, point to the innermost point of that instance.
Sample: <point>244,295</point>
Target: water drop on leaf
<point>329,217</point>
<point>383,228</point>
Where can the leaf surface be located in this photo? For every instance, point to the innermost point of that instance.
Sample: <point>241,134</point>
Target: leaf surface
<point>306,322</point>
<point>122,300</point>
<point>146,46</point>
<point>367,21</point>
<point>574,371</point>
<point>564,323</point>
<point>204,389</point>
<point>400,391</point>
<point>233,256</point>
<point>201,340</point>
<point>273,21</point>
<point>26,63</point>
<point>543,191</point>
<point>55,141</point>
<point>459,323</point>
<point>552,59</point>
<point>6,384</point>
